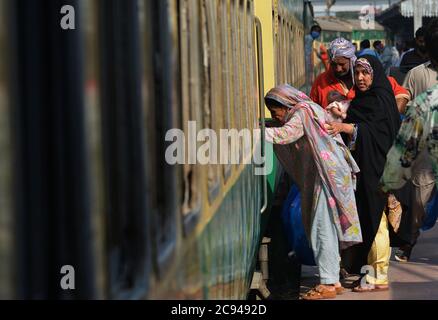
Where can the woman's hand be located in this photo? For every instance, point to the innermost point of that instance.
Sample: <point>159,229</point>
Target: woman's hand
<point>334,128</point>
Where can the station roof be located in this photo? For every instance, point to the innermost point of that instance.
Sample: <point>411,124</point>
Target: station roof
<point>334,24</point>
<point>343,25</point>
<point>429,8</point>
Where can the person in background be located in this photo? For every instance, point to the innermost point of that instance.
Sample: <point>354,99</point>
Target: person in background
<point>415,145</point>
<point>420,78</point>
<point>326,178</point>
<point>365,48</point>
<point>408,47</point>
<point>340,76</point>
<point>395,56</point>
<point>385,54</point>
<point>324,56</point>
<point>315,33</point>
<point>425,75</point>
<point>417,192</point>
<point>400,46</point>
<point>417,56</point>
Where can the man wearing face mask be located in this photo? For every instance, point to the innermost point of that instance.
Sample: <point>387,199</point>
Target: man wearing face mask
<point>418,55</point>
<point>315,33</point>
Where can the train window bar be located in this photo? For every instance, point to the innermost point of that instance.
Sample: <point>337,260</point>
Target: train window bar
<point>252,67</point>
<point>93,135</point>
<point>191,96</point>
<point>237,94</point>
<point>211,87</point>
<point>164,177</point>
<point>123,149</point>
<point>224,22</point>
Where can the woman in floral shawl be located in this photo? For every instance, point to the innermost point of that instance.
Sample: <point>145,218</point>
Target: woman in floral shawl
<point>324,171</point>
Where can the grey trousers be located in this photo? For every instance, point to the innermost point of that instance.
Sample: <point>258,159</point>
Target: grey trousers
<point>414,198</point>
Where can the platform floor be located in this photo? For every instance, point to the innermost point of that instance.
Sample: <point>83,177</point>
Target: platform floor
<point>415,280</point>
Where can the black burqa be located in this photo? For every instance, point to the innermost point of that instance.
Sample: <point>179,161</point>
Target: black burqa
<point>376,114</point>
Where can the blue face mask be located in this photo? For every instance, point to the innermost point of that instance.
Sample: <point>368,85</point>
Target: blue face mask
<point>315,35</point>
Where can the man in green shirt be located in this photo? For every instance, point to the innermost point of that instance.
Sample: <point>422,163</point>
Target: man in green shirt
<point>414,157</point>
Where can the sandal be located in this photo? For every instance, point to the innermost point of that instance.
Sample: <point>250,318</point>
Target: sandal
<point>318,293</point>
<point>340,290</point>
<point>371,288</point>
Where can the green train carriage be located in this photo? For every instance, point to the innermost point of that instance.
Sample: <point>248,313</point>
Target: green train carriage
<point>84,115</point>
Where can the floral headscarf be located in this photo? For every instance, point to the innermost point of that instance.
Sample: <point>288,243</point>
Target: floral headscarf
<point>287,95</point>
<point>365,64</point>
<point>335,164</point>
<point>341,47</point>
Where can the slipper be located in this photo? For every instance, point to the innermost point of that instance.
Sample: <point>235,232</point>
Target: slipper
<point>340,290</point>
<point>319,293</point>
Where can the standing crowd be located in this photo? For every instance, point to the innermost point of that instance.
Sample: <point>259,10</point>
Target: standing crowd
<point>364,154</point>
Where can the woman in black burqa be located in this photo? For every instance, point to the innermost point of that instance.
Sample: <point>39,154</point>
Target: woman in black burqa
<point>375,121</point>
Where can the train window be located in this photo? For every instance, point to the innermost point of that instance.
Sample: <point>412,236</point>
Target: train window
<point>244,64</point>
<point>278,42</point>
<point>161,100</point>
<point>251,81</point>
<point>123,148</point>
<point>281,47</point>
<point>93,135</point>
<point>224,22</point>
<point>211,86</point>
<point>296,60</point>
<point>249,73</point>
<point>190,57</point>
<point>252,86</point>
<point>293,71</point>
<point>277,48</point>
<point>239,74</point>
<point>6,247</point>
<point>252,67</point>
<point>247,52</point>
<point>300,48</point>
<point>237,94</point>
<point>285,44</point>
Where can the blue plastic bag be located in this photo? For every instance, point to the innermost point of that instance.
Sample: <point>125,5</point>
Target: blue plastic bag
<point>431,214</point>
<point>287,217</point>
<point>294,227</point>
